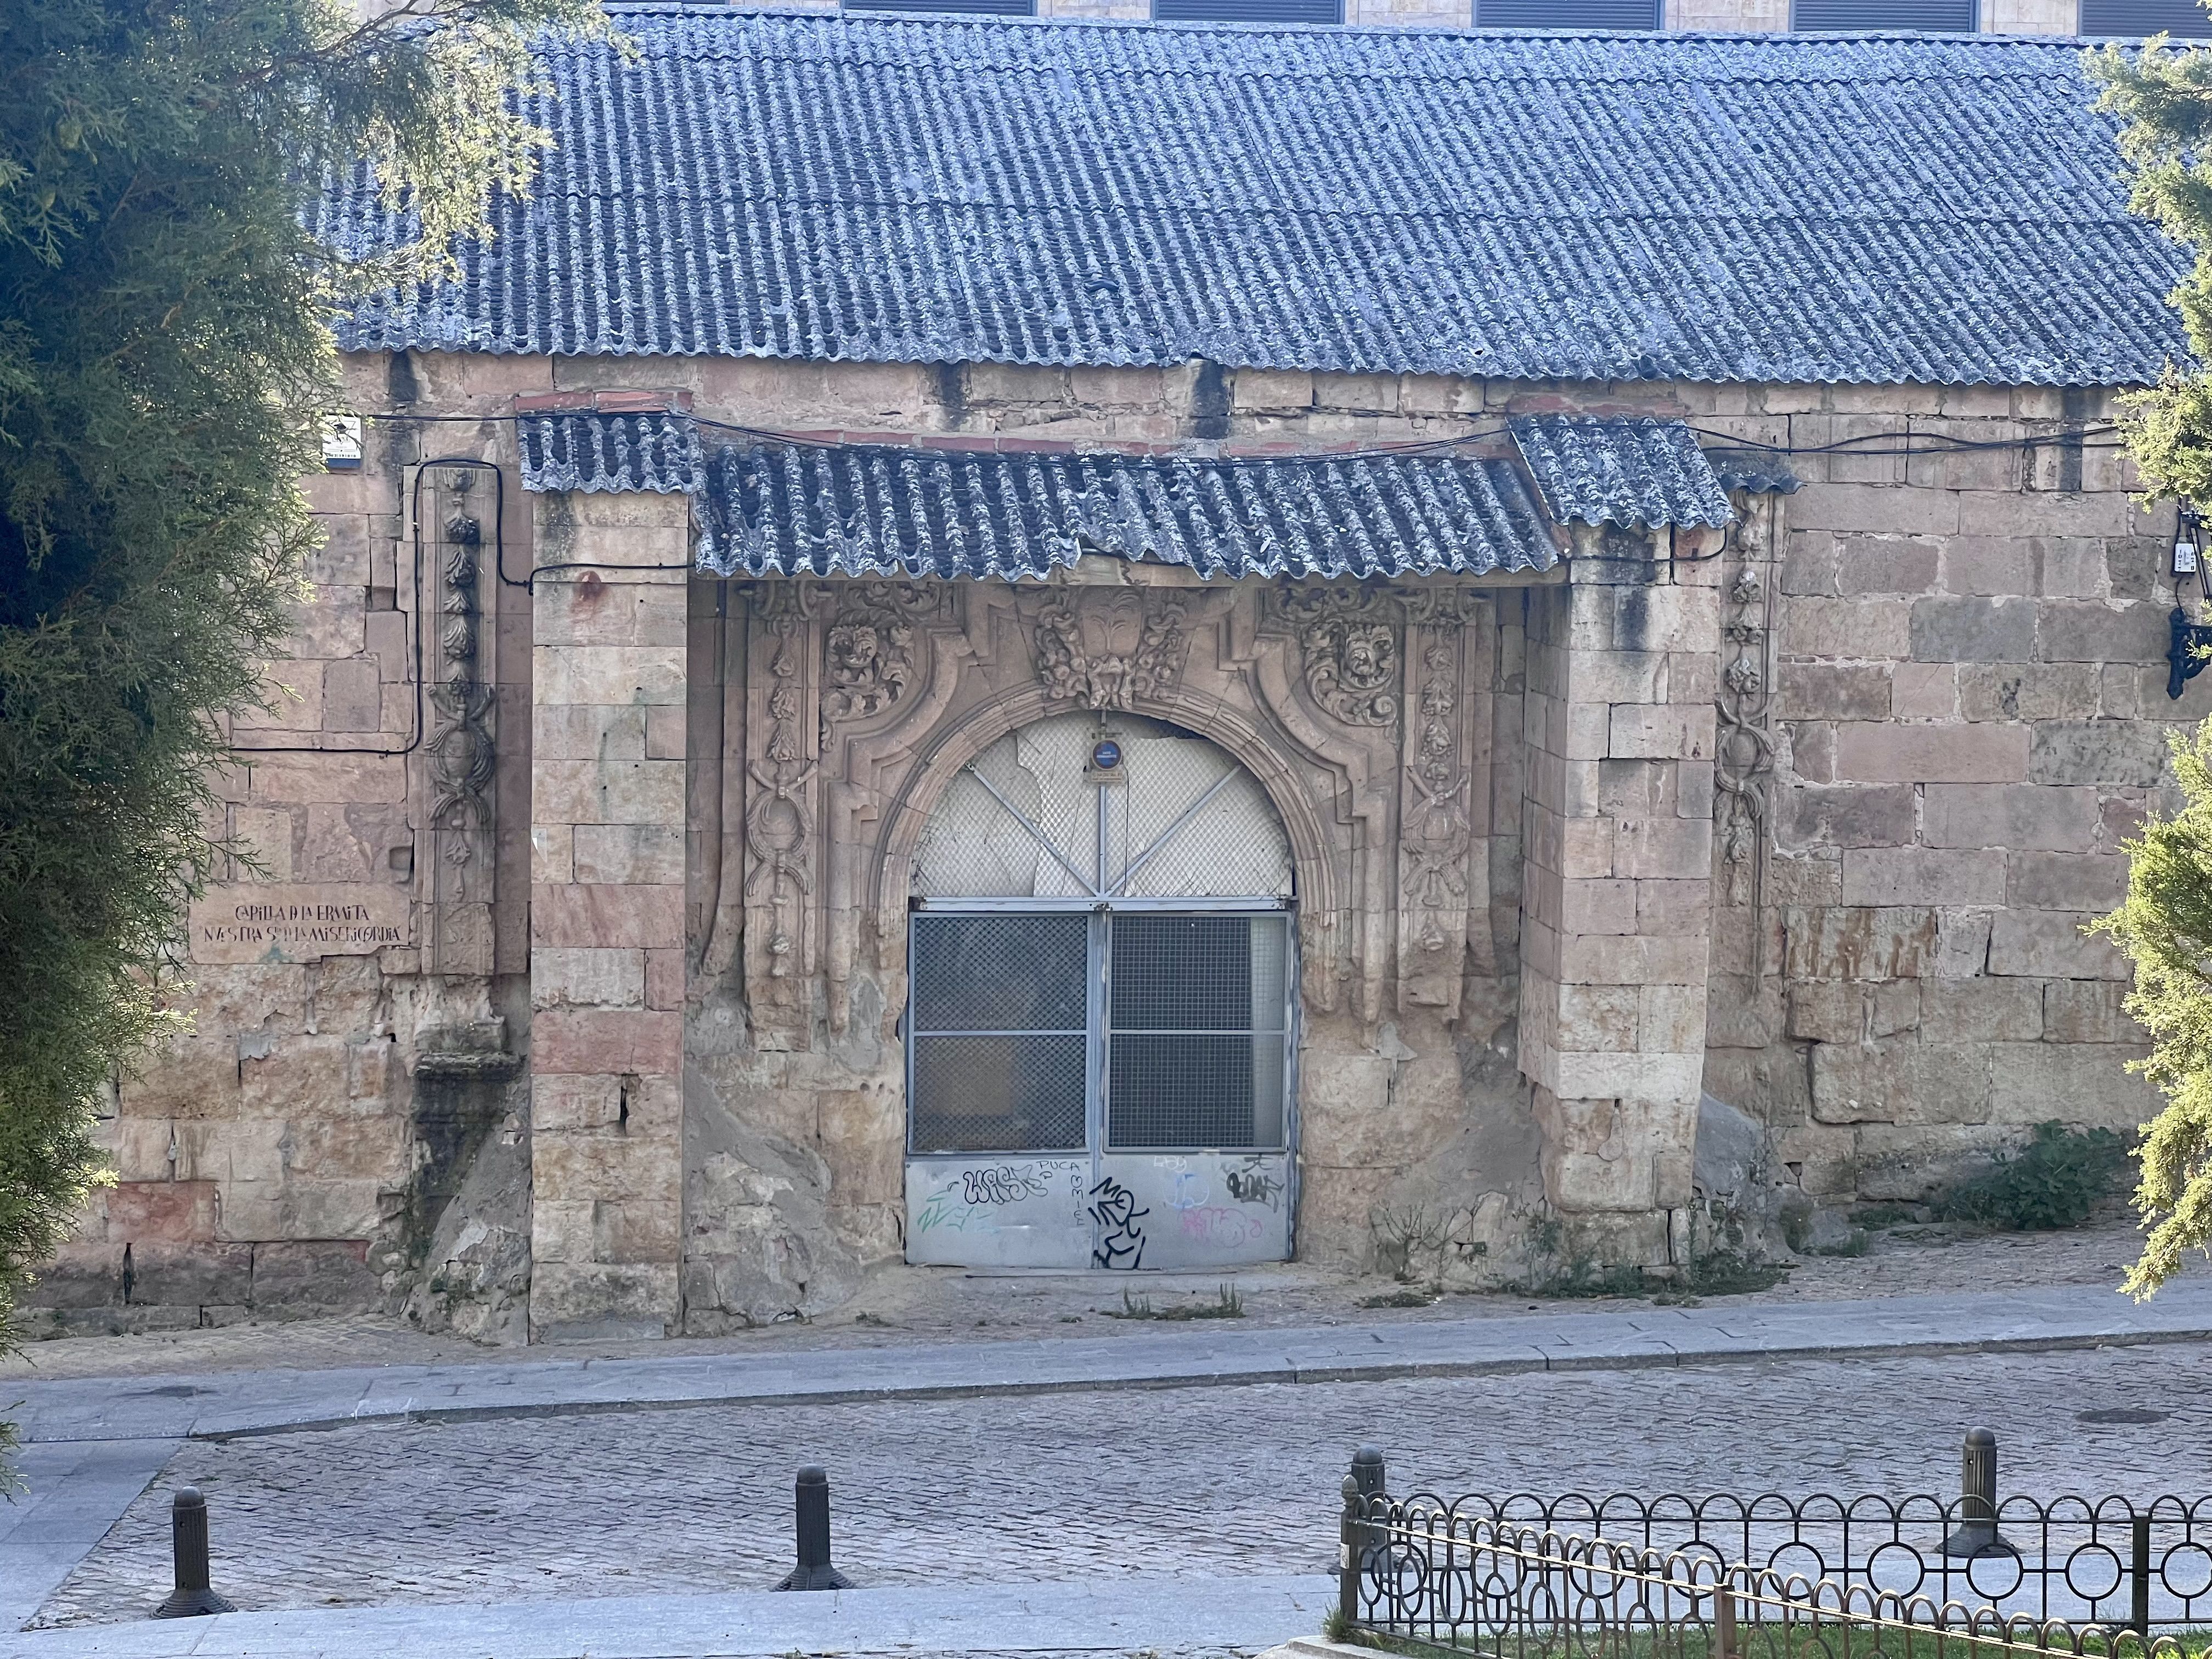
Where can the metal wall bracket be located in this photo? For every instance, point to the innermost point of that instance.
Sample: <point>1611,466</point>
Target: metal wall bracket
<point>2190,649</point>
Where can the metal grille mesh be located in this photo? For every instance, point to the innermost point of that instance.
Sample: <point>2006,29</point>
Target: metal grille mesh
<point>1194,1043</point>
<point>999,1032</point>
<point>1168,831</point>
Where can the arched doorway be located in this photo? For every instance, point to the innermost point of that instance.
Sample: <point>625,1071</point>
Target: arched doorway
<point>1101,1020</point>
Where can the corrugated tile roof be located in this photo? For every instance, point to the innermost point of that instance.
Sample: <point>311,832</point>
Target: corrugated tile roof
<point>578,449</point>
<point>883,510</point>
<point>1759,471</point>
<point>1575,206</point>
<point>1620,470</point>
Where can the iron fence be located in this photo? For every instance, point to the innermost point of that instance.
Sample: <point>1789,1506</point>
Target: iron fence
<point>1418,1578</point>
<point>2108,1562</point>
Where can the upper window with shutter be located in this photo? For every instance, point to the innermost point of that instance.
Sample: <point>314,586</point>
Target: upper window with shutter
<point>1248,11</point>
<point>1940,16</point>
<point>988,8</point>
<point>1567,14</point>
<point>2136,19</point>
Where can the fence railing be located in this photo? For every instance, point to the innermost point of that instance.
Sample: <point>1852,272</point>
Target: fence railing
<point>1417,1577</point>
<point>2106,1561</point>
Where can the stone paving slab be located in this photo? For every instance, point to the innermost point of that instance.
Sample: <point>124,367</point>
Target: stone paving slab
<point>76,1490</point>
<point>1183,1617</point>
<point>256,1402</point>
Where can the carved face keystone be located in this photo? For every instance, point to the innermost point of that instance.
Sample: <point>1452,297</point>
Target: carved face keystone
<point>1367,657</point>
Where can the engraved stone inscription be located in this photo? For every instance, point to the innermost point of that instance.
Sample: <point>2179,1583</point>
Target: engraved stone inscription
<point>297,921</point>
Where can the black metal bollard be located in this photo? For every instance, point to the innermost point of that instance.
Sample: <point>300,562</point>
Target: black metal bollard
<point>1363,1492</point>
<point>188,1543</point>
<point>814,1571</point>
<point>1977,1499</point>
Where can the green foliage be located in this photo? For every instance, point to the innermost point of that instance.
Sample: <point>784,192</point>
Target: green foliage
<point>1407,1297</point>
<point>2164,926</point>
<point>2165,98</point>
<point>1227,1304</point>
<point>165,354</point>
<point>2055,1181</point>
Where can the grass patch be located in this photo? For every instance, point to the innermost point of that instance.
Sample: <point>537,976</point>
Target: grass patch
<point>1408,1298</point>
<point>2058,1180</point>
<point>1227,1305</point>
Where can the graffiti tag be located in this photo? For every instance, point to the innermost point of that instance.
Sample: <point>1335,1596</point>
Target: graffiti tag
<point>1251,1183</point>
<point>1219,1225</point>
<point>1121,1240</point>
<point>1003,1185</point>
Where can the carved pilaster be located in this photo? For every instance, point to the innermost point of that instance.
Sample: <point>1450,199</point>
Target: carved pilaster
<point>782,766</point>
<point>1437,834</point>
<point>1744,753</point>
<point>459,749</point>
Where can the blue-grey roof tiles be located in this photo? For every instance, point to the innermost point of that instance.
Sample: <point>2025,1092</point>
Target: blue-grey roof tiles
<point>584,450</point>
<point>1522,206</point>
<point>861,510</point>
<point>1755,472</point>
<point>1620,470</point>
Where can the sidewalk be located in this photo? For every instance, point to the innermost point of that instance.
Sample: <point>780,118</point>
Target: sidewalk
<point>1182,1617</point>
<point>225,1404</point>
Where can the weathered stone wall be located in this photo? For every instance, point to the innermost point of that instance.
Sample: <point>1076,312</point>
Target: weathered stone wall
<point>1968,715</point>
<point>609,685</point>
<point>278,1159</point>
<point>1616,895</point>
<point>1939,681</point>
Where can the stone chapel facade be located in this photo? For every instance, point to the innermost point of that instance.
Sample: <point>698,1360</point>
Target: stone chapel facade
<point>1342,767</point>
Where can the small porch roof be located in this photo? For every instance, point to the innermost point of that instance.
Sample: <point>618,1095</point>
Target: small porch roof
<point>765,507</point>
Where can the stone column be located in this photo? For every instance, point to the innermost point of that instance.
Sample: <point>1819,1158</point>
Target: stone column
<point>606,922</point>
<point>1616,900</point>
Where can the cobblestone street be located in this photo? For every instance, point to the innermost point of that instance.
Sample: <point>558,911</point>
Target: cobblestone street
<point>1208,1482</point>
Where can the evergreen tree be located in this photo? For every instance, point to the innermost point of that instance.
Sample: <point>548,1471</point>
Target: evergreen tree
<point>165,358</point>
<point>2164,926</point>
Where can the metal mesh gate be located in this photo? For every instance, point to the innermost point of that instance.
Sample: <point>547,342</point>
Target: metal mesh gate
<point>1099,1033</point>
<point>1195,1033</point>
<point>1000,1033</point>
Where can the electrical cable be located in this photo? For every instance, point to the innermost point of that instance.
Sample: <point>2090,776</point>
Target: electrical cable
<point>415,618</point>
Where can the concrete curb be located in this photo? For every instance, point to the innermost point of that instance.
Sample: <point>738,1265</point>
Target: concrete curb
<point>1382,1372</point>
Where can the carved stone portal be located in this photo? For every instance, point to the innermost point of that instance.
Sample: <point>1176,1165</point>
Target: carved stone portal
<point>866,699</point>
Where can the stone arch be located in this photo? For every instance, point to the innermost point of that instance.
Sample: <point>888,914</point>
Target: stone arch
<point>1319,879</point>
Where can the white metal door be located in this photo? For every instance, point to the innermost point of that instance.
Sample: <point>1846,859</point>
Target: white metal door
<point>1100,1029</point>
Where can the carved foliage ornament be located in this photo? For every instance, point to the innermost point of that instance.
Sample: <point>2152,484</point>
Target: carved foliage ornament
<point>1744,757</point>
<point>1350,646</point>
<point>780,816</point>
<point>462,756</point>
<point>1112,647</point>
<point>870,651</point>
